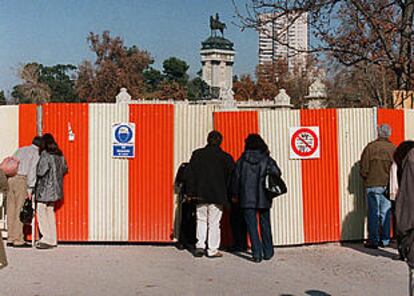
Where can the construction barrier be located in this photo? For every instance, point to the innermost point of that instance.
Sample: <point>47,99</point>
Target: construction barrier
<point>117,199</point>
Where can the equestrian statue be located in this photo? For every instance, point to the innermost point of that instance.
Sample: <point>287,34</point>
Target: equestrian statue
<point>216,24</point>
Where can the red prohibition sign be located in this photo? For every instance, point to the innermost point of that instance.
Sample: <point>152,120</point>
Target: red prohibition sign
<point>304,142</point>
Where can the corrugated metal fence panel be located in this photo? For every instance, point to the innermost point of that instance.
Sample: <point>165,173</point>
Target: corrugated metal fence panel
<point>108,177</point>
<point>9,133</point>
<point>355,131</point>
<point>234,126</point>
<point>192,124</point>
<point>151,174</point>
<point>27,124</point>
<point>72,212</point>
<point>287,210</point>
<point>191,127</point>
<point>320,180</point>
<point>395,118</point>
<point>409,124</point>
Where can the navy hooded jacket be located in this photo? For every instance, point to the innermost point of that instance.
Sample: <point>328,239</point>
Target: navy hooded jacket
<point>248,179</point>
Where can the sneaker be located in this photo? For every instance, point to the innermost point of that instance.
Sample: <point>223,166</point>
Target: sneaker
<point>43,246</point>
<point>24,245</point>
<point>198,253</point>
<point>215,255</point>
<point>382,245</point>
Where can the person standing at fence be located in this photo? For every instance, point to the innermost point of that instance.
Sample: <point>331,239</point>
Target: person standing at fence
<point>208,178</point>
<point>375,165</point>
<point>248,187</point>
<point>400,155</point>
<point>21,187</point>
<point>49,189</point>
<point>4,187</point>
<point>404,209</point>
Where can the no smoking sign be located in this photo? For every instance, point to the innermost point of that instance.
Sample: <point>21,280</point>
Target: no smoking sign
<point>304,142</point>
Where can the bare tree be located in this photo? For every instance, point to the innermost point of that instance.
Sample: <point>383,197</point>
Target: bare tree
<point>354,32</point>
<point>32,89</point>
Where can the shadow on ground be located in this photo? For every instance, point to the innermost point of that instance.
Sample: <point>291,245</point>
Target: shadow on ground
<point>310,293</point>
<point>380,252</point>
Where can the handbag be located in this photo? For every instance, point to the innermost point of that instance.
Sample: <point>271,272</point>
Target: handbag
<point>274,185</point>
<point>26,213</point>
<point>10,166</point>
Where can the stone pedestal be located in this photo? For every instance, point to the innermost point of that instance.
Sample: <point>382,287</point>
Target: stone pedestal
<point>282,100</point>
<point>123,96</point>
<point>217,68</point>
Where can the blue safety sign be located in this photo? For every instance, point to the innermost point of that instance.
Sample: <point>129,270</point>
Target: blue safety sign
<point>123,140</point>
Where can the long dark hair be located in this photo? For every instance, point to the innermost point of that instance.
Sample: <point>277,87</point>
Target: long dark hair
<point>256,142</point>
<point>400,154</point>
<point>50,145</point>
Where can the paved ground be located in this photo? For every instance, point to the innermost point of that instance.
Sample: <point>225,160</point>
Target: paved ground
<point>163,270</point>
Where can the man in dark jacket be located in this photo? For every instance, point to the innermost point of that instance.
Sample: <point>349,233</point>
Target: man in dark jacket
<point>375,168</point>
<point>208,176</point>
<point>404,214</point>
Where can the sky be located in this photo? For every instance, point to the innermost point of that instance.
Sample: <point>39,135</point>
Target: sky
<point>54,31</point>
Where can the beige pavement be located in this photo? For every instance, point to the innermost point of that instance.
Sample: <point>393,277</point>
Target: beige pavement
<point>163,270</point>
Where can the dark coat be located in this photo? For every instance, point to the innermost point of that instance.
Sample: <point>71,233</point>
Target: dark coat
<point>50,171</point>
<point>248,179</point>
<point>405,208</point>
<point>208,175</point>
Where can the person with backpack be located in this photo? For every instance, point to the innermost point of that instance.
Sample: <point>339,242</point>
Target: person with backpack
<point>248,187</point>
<point>49,189</point>
<point>187,210</point>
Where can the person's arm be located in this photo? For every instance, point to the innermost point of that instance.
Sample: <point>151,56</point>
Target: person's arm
<point>393,181</point>
<point>364,163</point>
<point>4,185</point>
<point>190,179</point>
<point>274,168</point>
<point>31,174</point>
<point>65,166</point>
<point>42,166</point>
<point>235,182</point>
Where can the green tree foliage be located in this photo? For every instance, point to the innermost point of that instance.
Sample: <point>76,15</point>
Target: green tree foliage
<point>59,80</point>
<point>175,69</point>
<point>2,98</point>
<point>153,79</point>
<point>197,89</point>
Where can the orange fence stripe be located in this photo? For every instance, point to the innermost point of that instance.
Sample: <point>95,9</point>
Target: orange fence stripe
<point>27,124</point>
<point>72,212</point>
<point>151,174</point>
<point>27,131</point>
<point>320,181</point>
<point>234,126</point>
<point>395,118</point>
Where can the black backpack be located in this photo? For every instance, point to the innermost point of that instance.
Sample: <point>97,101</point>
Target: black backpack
<point>179,182</point>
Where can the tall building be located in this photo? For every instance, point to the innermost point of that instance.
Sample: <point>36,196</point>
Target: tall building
<point>295,36</point>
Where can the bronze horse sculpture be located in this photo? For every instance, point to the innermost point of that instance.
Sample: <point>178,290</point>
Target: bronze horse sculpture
<point>216,24</point>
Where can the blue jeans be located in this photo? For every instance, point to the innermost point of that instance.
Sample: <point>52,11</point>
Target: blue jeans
<point>379,211</point>
<point>260,248</point>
